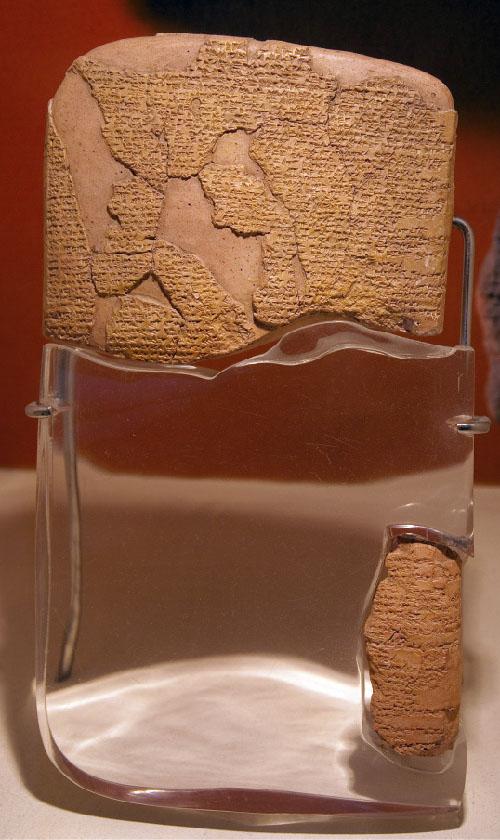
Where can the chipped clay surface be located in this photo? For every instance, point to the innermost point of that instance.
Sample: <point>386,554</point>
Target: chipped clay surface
<point>203,190</point>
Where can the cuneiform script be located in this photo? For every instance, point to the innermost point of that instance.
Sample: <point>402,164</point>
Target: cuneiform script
<point>328,193</point>
<point>413,645</point>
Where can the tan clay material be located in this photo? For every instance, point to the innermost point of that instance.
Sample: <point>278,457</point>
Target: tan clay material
<point>413,645</point>
<point>202,190</point>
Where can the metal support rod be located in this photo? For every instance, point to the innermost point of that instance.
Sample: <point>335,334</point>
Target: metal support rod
<point>75,551</point>
<point>467,280</point>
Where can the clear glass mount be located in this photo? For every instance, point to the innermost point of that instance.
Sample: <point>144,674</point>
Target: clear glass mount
<point>208,542</point>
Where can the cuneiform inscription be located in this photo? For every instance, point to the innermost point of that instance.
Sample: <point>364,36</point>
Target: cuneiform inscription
<point>413,645</point>
<point>348,192</point>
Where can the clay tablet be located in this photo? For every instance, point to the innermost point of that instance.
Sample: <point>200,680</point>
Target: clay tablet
<point>413,645</point>
<point>203,190</point>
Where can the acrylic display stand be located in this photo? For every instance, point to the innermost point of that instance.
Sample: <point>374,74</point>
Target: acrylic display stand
<point>208,544</point>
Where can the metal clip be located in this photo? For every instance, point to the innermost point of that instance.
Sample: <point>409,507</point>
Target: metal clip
<point>39,410</point>
<point>473,425</point>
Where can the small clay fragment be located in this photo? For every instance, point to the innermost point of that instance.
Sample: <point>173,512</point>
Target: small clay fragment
<point>413,645</point>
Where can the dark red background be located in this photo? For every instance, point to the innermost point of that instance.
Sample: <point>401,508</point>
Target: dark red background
<point>38,41</point>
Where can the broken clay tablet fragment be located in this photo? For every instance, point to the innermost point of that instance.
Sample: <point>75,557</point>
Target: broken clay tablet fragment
<point>413,645</point>
<point>203,190</point>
